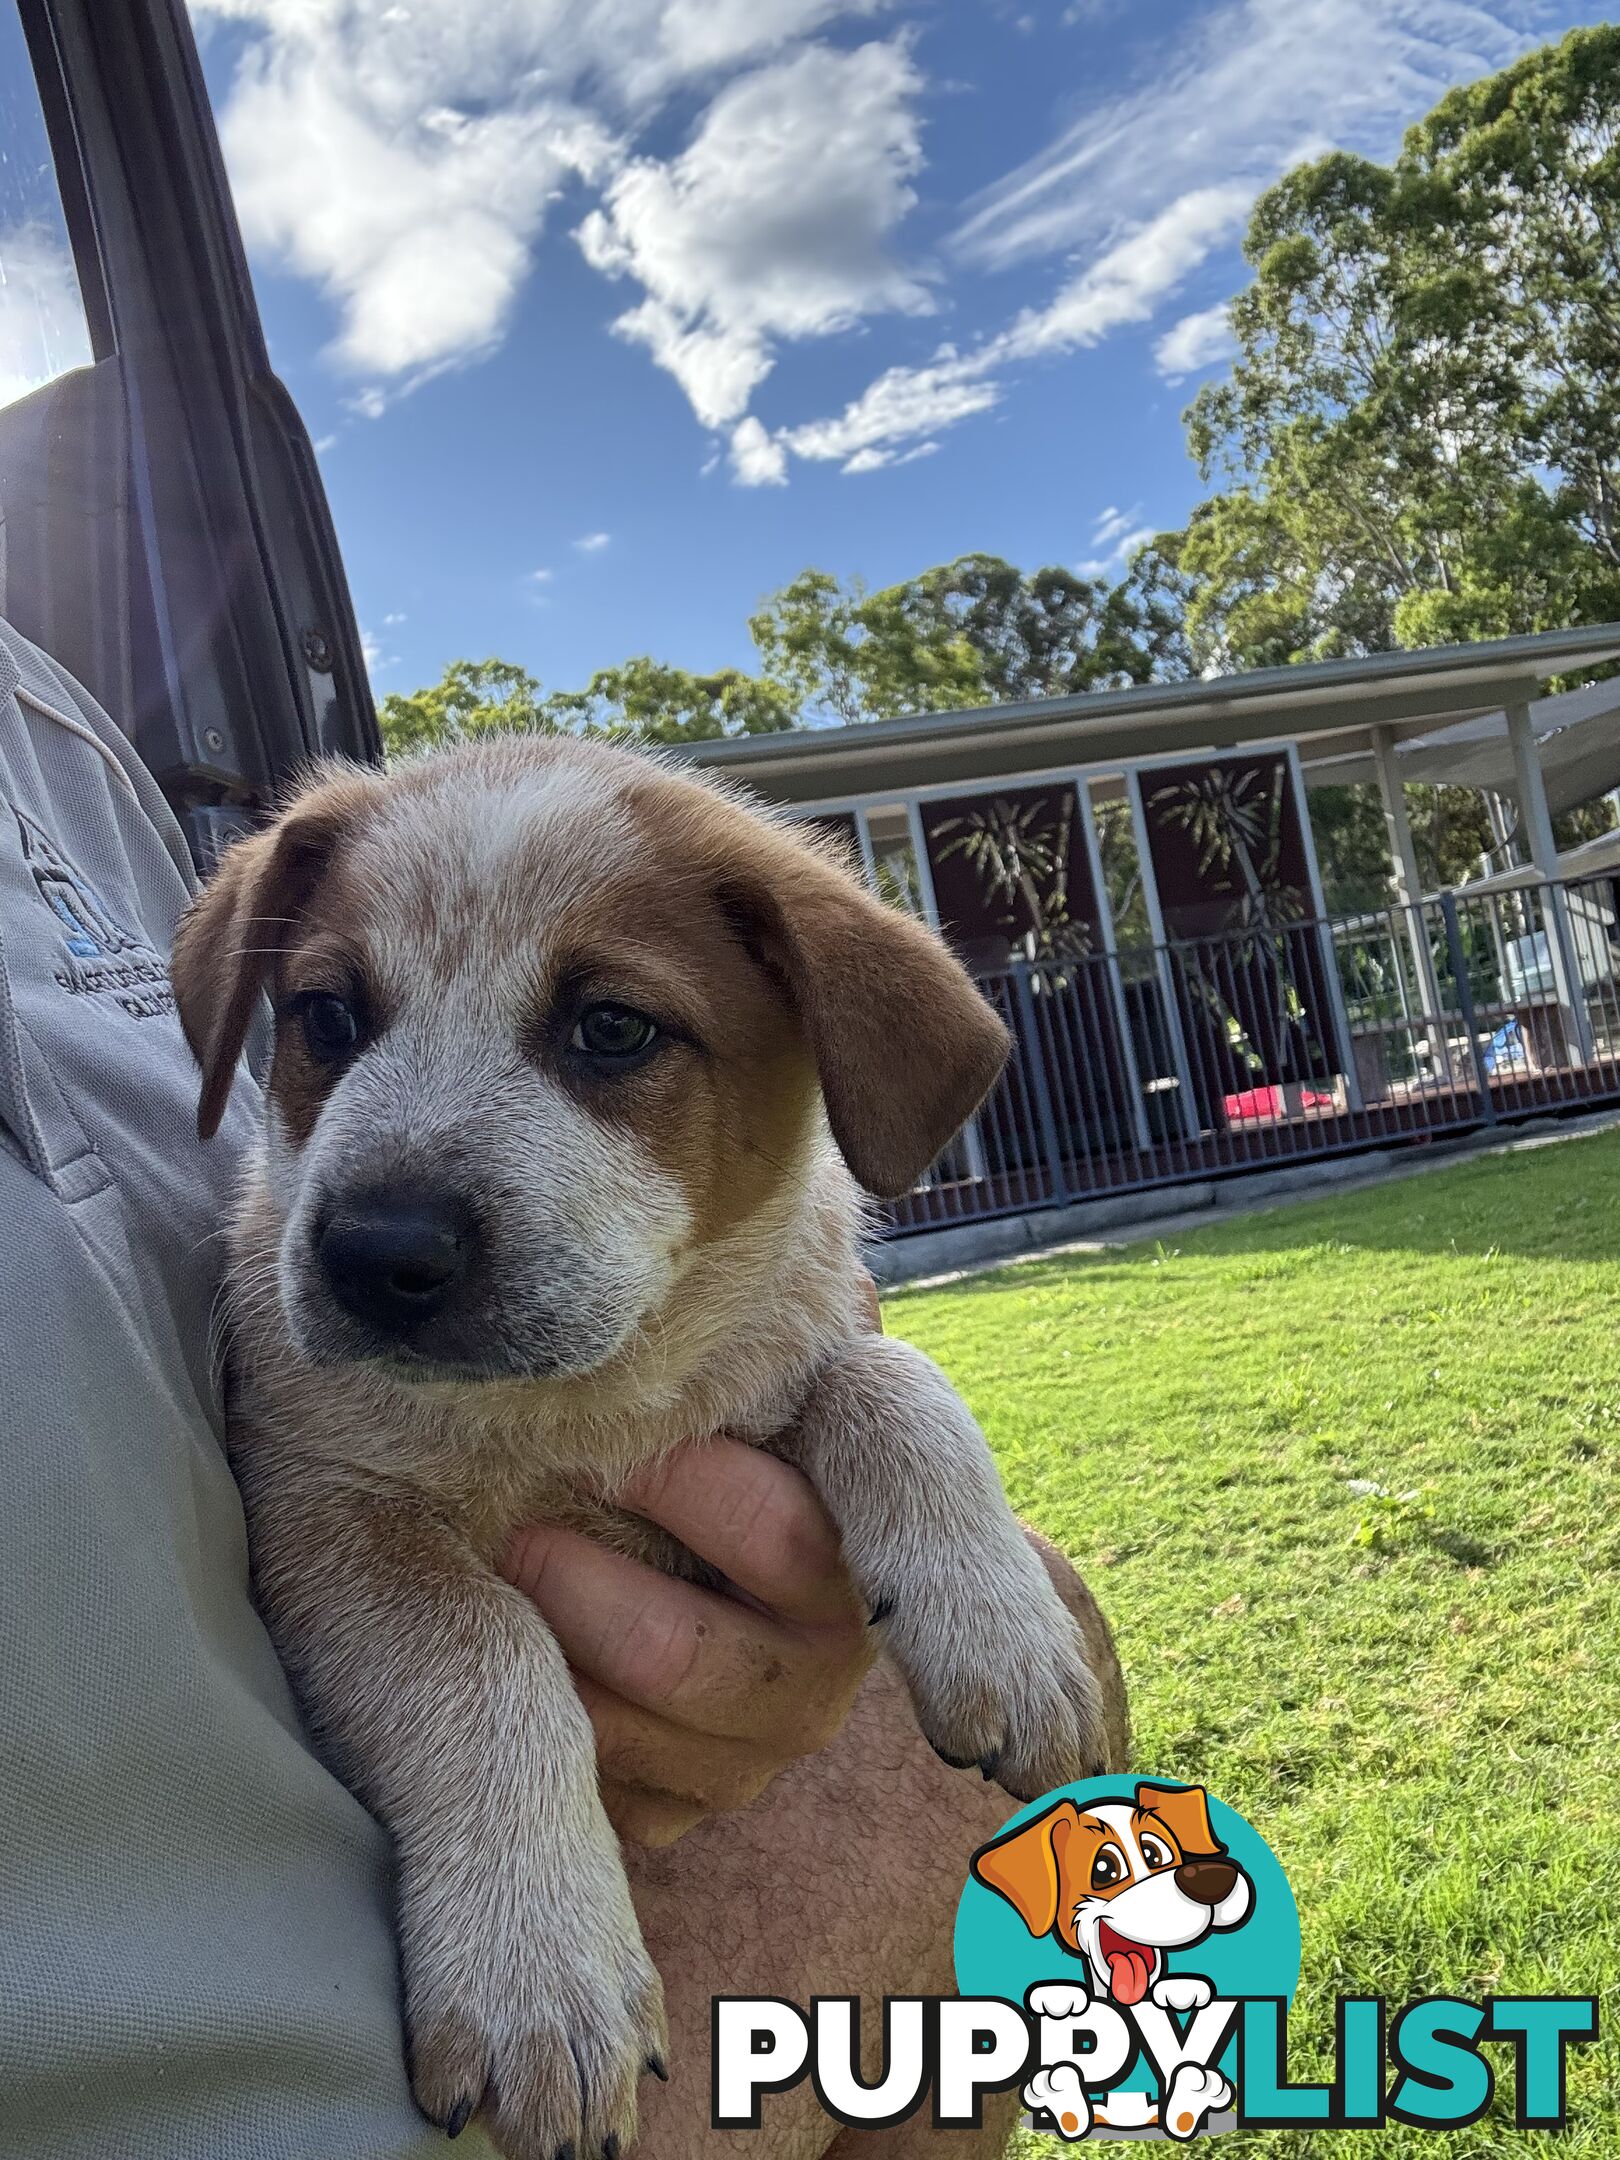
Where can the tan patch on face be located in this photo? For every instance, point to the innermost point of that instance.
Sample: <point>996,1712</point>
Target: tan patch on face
<point>1178,1815</point>
<point>727,1104</point>
<point>1149,1824</point>
<point>1088,1837</point>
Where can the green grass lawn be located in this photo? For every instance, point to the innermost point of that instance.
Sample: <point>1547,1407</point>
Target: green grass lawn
<point>1416,1701</point>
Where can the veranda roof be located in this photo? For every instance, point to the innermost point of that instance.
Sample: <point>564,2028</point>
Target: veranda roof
<point>1444,707</point>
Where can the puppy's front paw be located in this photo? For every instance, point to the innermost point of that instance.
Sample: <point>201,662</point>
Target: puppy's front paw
<point>545,2042</point>
<point>998,1677</point>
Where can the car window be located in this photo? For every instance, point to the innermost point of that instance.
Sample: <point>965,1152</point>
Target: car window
<point>43,330</point>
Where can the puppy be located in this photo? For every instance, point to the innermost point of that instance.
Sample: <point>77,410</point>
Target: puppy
<point>578,1066</point>
<point>1120,1883</point>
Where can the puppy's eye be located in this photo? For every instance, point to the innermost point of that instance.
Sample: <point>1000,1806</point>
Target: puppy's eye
<point>331,1026</point>
<point>613,1032</point>
<point>1107,1869</point>
<point>1155,1854</point>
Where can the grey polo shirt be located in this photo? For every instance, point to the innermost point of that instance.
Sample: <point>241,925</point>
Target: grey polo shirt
<point>195,1952</point>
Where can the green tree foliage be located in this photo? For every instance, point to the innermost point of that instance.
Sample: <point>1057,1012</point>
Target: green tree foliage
<point>653,702</point>
<point>975,631</point>
<point>643,700</point>
<point>471,698</point>
<point>1420,436</point>
<point>969,632</point>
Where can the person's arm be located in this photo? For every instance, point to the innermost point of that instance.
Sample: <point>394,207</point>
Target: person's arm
<point>699,1700</point>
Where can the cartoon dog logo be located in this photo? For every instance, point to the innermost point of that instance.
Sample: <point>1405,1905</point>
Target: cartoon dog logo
<point>1120,1883</point>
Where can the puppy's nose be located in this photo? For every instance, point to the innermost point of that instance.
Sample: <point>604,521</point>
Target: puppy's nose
<point>1206,1882</point>
<point>394,1258</point>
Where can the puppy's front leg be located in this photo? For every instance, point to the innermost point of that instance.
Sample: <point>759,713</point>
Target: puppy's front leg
<point>994,1661</point>
<point>442,1698</point>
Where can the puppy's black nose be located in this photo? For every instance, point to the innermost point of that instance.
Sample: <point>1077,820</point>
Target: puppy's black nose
<point>1206,1882</point>
<point>394,1258</point>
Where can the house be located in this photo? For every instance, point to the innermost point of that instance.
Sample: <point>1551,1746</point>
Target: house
<point>1132,877</point>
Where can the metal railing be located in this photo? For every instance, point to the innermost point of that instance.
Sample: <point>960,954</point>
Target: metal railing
<point>1283,1041</point>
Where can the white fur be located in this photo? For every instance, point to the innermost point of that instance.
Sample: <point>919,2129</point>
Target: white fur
<point>1182,1991</point>
<point>1193,2095</point>
<point>1061,2092</point>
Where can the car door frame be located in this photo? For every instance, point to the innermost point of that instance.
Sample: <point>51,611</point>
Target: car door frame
<point>254,665</point>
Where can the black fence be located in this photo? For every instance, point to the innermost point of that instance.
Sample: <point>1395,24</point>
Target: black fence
<point>1286,1040</point>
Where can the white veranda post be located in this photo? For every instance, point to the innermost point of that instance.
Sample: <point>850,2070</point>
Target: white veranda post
<point>1535,830</point>
<point>1409,887</point>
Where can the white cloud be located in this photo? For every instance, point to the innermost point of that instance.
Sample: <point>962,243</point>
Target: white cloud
<point>1127,282</point>
<point>757,458</point>
<point>773,223</point>
<point>902,405</point>
<point>1145,186</point>
<point>874,460</point>
<point>405,156</point>
<point>1115,538</point>
<point>593,543</point>
<point>697,35</point>
<point>1125,285</point>
<point>1113,522</point>
<point>1249,88</point>
<point>42,325</point>
<point>540,577</point>
<point>1197,341</point>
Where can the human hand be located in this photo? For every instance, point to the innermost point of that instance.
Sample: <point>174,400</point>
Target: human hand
<point>700,1699</point>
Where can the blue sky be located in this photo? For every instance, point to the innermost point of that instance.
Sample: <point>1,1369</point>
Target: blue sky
<point>609,316</point>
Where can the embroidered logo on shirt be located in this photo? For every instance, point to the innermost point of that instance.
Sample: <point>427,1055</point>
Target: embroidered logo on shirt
<point>105,957</point>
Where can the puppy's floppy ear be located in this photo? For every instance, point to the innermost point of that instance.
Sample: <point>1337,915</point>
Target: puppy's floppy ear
<point>1026,1866</point>
<point>905,1047</point>
<point>1184,1813</point>
<point>244,918</point>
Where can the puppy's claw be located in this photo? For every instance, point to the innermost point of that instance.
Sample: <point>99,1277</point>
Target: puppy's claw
<point>989,1764</point>
<point>659,2068</point>
<point>610,2146</point>
<point>459,2116</point>
<point>880,1612</point>
<point>565,2152</point>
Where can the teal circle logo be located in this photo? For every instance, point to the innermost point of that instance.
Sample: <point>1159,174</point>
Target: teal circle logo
<point>1130,1907</point>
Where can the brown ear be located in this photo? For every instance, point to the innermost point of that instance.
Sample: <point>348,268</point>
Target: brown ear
<point>1184,1814</point>
<point>905,1047</point>
<point>244,918</point>
<point>1025,1867</point>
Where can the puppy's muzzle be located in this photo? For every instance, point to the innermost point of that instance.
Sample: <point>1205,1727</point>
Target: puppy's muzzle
<point>1206,1882</point>
<point>395,1258</point>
